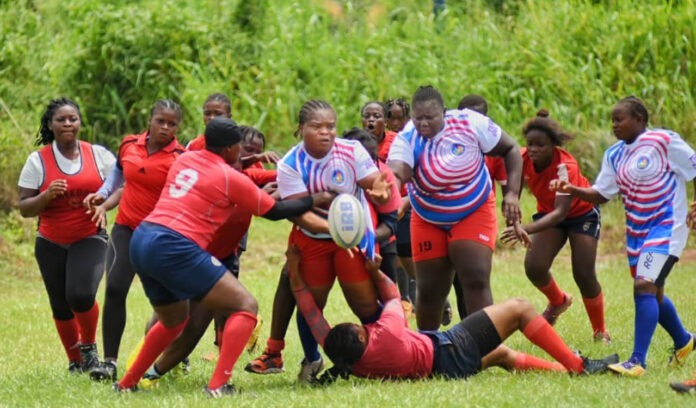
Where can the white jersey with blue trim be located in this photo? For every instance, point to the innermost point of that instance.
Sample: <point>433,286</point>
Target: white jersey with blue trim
<point>650,174</point>
<point>338,171</point>
<point>450,179</point>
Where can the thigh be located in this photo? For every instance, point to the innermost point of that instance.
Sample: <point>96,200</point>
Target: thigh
<point>229,296</point>
<point>316,259</point>
<point>545,246</point>
<point>434,277</point>
<point>120,271</point>
<point>85,263</point>
<point>471,260</point>
<point>583,251</point>
<point>51,259</point>
<point>427,240</point>
<point>480,227</point>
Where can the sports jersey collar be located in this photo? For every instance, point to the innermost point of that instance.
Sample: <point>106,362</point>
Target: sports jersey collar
<point>142,141</point>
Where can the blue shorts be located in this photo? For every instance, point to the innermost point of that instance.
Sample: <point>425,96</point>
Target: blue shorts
<point>459,350</point>
<point>589,223</point>
<point>171,267</point>
<point>403,235</point>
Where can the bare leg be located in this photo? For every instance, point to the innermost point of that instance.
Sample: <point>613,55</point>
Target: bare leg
<point>473,261</point>
<point>434,280</point>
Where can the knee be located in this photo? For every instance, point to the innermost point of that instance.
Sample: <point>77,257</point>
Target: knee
<point>80,301</point>
<point>249,304</point>
<point>116,293</point>
<point>642,287</point>
<point>521,306</point>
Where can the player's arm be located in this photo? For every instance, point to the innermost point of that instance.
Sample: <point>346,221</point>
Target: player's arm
<point>32,202</point>
<point>402,171</point>
<point>305,301</point>
<point>376,187</point>
<point>510,152</point>
<point>386,225</point>
<point>386,288</point>
<point>588,194</point>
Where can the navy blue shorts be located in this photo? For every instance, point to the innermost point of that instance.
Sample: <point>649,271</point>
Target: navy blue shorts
<point>403,235</point>
<point>458,351</point>
<point>171,267</point>
<point>589,223</point>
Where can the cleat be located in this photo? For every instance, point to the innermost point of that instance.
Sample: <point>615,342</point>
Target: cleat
<point>679,355</point>
<point>631,368</point>
<point>590,367</point>
<point>602,337</point>
<point>117,388</point>
<point>149,381</point>
<point>266,364</point>
<point>447,314</point>
<point>309,371</point>
<point>408,308</point>
<point>611,359</point>
<point>225,389</point>
<point>552,312</point>
<point>253,342</point>
<point>75,367</point>
<point>89,356</point>
<point>684,387</point>
<point>105,371</point>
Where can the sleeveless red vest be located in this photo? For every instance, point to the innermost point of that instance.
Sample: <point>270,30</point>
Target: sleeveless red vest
<point>64,220</point>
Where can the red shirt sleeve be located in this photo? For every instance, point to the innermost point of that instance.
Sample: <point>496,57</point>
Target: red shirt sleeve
<point>243,192</point>
<point>261,176</point>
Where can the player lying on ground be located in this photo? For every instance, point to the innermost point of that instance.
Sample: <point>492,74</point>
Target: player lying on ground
<point>389,349</point>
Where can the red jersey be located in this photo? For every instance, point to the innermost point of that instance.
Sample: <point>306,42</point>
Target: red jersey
<point>496,168</point>
<point>144,177</point>
<point>196,144</point>
<point>385,145</point>
<point>227,237</point>
<point>64,220</point>
<point>538,183</point>
<point>200,193</point>
<point>393,350</point>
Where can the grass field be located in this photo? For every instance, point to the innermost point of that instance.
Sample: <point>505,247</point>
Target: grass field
<point>33,366</point>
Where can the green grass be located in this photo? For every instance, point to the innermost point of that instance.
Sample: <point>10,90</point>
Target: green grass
<point>33,366</point>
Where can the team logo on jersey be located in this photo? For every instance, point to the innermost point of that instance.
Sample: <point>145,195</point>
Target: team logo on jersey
<point>457,149</point>
<point>643,163</point>
<point>338,177</point>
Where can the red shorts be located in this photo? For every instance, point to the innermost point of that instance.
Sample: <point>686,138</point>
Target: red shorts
<point>322,261</point>
<point>428,241</point>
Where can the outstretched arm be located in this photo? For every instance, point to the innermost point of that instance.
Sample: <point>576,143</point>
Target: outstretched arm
<point>386,287</point>
<point>588,194</point>
<point>305,301</point>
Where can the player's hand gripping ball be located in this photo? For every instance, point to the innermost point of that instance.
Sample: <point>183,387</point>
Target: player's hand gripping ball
<point>346,221</point>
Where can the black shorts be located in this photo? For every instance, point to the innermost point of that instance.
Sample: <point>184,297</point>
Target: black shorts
<point>403,235</point>
<point>589,223</point>
<point>459,350</point>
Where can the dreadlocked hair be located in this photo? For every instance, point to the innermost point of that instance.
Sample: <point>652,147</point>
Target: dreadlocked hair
<point>400,102</point>
<point>474,102</point>
<point>166,104</point>
<point>637,107</point>
<point>543,123</point>
<point>308,108</point>
<point>344,348</point>
<point>427,93</point>
<point>250,133</point>
<point>45,134</point>
<point>222,98</point>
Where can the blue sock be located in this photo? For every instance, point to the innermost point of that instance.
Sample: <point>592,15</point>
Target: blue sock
<point>669,319</point>
<point>647,314</point>
<point>309,344</point>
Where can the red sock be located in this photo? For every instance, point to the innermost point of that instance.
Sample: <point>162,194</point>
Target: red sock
<point>156,340</point>
<point>553,293</point>
<point>540,332</point>
<point>69,335</point>
<point>274,346</point>
<point>87,322</point>
<point>238,329</point>
<point>526,362</point>
<point>595,311</point>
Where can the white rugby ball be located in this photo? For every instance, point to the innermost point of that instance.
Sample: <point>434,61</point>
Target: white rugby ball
<point>346,221</point>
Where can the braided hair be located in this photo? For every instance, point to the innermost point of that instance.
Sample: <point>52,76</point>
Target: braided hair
<point>166,104</point>
<point>400,102</point>
<point>342,345</point>
<point>543,123</point>
<point>308,108</point>
<point>249,133</point>
<point>45,134</point>
<point>363,136</point>
<point>427,93</point>
<point>378,103</point>
<point>636,106</point>
<point>222,98</point>
<point>474,102</point>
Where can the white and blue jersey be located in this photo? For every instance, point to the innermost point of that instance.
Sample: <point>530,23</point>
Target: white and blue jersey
<point>650,174</point>
<point>339,171</point>
<point>450,179</point>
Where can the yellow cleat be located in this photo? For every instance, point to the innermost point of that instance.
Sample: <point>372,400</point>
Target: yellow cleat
<point>678,357</point>
<point>631,368</point>
<point>254,339</point>
<point>134,354</point>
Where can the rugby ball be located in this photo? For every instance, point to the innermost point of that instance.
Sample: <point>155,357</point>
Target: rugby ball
<point>346,221</point>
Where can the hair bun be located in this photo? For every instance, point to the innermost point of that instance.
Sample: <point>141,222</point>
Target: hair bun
<point>543,113</point>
